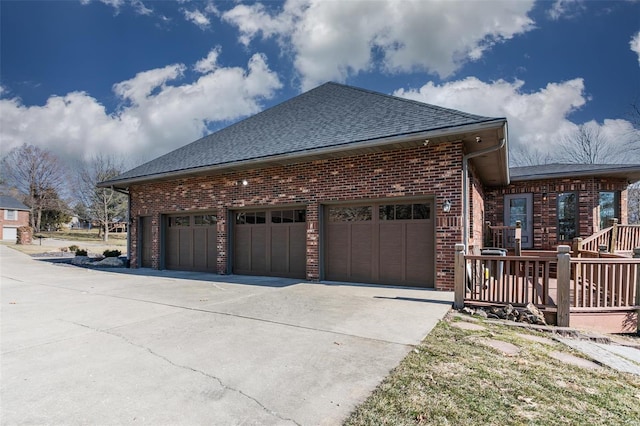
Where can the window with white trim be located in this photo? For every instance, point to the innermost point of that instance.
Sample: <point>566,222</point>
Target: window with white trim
<point>11,215</point>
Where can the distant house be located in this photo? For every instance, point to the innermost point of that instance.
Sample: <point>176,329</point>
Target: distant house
<point>13,214</point>
<point>345,184</point>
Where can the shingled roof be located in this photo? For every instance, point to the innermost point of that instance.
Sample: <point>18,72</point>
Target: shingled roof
<point>329,116</point>
<point>9,203</point>
<point>559,170</point>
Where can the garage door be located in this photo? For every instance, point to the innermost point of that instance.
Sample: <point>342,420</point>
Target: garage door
<point>190,242</point>
<point>9,234</point>
<point>270,242</point>
<point>381,243</point>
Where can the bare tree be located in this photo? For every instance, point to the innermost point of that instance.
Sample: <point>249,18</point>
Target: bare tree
<point>102,204</point>
<point>587,146</point>
<point>633,203</point>
<point>38,175</point>
<point>526,155</point>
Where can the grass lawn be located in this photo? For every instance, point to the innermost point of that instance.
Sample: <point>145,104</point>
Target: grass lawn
<point>89,235</point>
<point>452,379</point>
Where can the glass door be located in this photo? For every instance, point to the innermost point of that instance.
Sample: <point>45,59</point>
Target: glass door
<point>520,207</point>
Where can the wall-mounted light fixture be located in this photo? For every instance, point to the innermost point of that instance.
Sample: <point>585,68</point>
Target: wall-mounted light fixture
<point>478,139</point>
<point>245,182</point>
<point>426,142</point>
<point>446,206</point>
<point>544,196</point>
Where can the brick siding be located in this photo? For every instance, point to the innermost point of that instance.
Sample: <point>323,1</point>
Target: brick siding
<point>545,236</point>
<point>433,171</point>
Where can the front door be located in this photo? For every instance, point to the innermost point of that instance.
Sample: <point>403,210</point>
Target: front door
<point>520,207</point>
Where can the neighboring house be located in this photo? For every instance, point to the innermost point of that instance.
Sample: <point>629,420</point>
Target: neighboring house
<point>338,183</point>
<point>13,214</point>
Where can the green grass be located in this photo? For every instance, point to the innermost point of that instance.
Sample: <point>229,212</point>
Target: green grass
<point>451,379</point>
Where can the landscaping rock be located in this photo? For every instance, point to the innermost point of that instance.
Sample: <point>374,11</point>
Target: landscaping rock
<point>574,360</point>
<point>506,348</point>
<point>468,326</point>
<point>110,262</point>
<point>81,261</point>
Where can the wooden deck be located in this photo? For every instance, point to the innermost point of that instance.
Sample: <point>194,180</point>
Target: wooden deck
<point>602,293</point>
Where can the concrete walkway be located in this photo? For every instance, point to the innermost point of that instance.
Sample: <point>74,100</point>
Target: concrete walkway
<point>84,346</point>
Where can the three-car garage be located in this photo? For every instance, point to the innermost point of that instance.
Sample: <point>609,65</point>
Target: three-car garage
<point>370,242</point>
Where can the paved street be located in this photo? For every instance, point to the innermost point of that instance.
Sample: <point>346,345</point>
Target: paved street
<point>83,346</point>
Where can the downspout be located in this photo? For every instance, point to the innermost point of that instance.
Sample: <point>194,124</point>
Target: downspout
<point>128,194</point>
<point>465,184</point>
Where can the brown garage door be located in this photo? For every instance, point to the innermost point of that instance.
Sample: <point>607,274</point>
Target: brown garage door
<point>270,242</point>
<point>387,243</point>
<point>190,243</point>
<point>146,242</point>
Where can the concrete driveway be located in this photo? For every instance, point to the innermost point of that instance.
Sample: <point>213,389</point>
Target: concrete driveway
<point>81,346</point>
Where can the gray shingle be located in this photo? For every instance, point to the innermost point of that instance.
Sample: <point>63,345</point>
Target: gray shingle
<point>330,115</point>
<point>9,203</point>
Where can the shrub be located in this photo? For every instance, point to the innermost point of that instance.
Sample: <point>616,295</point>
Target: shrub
<point>111,253</point>
<point>74,248</point>
<point>81,252</point>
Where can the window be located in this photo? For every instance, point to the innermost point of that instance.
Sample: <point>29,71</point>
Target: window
<point>350,214</point>
<point>179,221</point>
<point>288,216</point>
<point>205,220</point>
<point>405,212</point>
<point>609,207</point>
<point>11,215</point>
<point>251,218</point>
<point>567,216</point>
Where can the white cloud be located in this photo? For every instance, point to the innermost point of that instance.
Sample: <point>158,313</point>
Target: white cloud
<point>635,44</point>
<point>197,17</point>
<point>333,40</point>
<point>210,63</point>
<point>565,9</point>
<point>140,8</point>
<point>537,120</point>
<point>155,117</point>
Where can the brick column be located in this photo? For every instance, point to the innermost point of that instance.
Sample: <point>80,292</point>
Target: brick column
<point>313,239</point>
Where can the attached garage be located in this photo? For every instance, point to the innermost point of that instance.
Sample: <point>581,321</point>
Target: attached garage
<point>190,242</point>
<point>270,242</point>
<point>9,233</point>
<point>386,243</point>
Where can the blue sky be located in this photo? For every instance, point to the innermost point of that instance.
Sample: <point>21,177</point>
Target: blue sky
<point>140,78</point>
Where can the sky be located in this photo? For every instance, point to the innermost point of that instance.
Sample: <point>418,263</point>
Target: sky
<point>140,78</point>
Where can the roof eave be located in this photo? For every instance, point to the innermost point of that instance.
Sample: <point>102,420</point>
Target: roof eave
<point>300,155</point>
<point>631,173</point>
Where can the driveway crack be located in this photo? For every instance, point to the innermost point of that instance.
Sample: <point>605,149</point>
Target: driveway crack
<point>195,370</point>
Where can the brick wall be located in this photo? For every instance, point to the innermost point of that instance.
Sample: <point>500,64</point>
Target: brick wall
<point>433,171</point>
<point>23,220</point>
<point>545,234</point>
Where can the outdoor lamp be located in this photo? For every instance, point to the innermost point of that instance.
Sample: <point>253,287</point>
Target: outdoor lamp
<point>446,206</point>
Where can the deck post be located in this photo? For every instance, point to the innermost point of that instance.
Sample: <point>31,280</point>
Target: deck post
<point>614,235</point>
<point>459,275</point>
<point>577,250</point>
<point>518,238</point>
<point>564,295</point>
<point>636,255</point>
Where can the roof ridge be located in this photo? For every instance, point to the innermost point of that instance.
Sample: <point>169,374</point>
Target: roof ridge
<point>411,101</point>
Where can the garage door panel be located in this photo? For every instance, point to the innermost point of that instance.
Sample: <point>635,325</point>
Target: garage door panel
<point>420,253</point>
<point>361,251</point>
<point>391,258</point>
<point>337,251</point>
<point>185,248</point>
<point>242,249</point>
<point>10,234</point>
<point>298,249</point>
<point>280,249</point>
<point>259,249</point>
<point>200,243</point>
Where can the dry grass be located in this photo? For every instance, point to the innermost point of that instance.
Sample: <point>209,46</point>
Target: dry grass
<point>55,242</point>
<point>453,380</point>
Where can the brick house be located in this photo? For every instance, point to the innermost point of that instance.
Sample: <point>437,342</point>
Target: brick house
<point>338,183</point>
<point>13,214</point>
